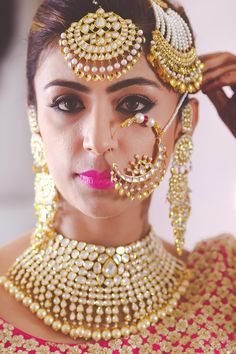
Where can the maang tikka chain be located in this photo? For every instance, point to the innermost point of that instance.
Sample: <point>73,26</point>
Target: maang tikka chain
<point>45,190</point>
<point>178,195</point>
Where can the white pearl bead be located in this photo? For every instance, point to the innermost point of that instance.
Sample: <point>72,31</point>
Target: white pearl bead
<point>134,52</point>
<point>94,69</point>
<point>102,69</point>
<point>80,66</point>
<point>110,68</point>
<point>86,68</point>
<point>96,336</point>
<point>151,122</point>
<point>66,50</point>
<point>106,335</point>
<point>124,62</point>
<point>48,320</point>
<point>117,66</point>
<point>74,61</point>
<point>139,118</point>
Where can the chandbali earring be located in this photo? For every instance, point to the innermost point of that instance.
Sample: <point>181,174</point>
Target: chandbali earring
<point>46,195</point>
<point>178,194</point>
<point>144,174</point>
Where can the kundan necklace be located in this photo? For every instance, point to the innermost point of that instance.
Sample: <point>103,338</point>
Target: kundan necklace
<point>89,291</point>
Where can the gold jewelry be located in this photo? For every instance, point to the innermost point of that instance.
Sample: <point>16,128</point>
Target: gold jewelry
<point>178,195</point>
<point>162,4</point>
<point>88,291</point>
<point>172,53</point>
<point>102,45</point>
<point>45,190</point>
<point>144,174</point>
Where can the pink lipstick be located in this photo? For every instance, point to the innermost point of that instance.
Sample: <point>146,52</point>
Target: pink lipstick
<point>96,180</point>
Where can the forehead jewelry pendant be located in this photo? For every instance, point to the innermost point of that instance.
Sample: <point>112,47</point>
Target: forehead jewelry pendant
<point>102,45</point>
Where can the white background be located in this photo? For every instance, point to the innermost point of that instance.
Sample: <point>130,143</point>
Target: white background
<point>213,180</point>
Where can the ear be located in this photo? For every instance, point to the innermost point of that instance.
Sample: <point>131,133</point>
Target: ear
<point>194,103</point>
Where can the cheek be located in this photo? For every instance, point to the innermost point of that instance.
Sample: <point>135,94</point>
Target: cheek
<point>58,140</point>
<point>58,150</point>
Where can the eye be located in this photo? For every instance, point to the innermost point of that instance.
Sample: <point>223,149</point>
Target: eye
<point>134,104</point>
<point>68,104</point>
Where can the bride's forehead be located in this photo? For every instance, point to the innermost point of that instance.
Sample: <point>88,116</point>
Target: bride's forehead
<point>53,66</point>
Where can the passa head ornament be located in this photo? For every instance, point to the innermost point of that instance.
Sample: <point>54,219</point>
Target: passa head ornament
<point>172,53</point>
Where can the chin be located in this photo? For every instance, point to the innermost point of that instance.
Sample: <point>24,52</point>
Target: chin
<point>101,205</point>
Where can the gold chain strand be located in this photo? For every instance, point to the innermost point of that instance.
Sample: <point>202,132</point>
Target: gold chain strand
<point>88,291</point>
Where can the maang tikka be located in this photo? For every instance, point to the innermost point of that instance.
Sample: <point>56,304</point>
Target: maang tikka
<point>102,45</point>
<point>46,195</point>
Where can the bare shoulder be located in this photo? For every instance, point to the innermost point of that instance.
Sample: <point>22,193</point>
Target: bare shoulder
<point>10,251</point>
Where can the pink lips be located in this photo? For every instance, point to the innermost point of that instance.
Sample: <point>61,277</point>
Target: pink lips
<point>96,180</point>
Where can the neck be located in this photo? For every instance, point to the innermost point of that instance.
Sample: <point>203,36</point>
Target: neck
<point>130,226</point>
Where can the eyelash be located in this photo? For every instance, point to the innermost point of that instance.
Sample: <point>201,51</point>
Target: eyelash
<point>67,99</point>
<point>75,101</point>
<point>146,102</point>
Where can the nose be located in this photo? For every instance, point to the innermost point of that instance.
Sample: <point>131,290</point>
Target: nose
<point>98,137</point>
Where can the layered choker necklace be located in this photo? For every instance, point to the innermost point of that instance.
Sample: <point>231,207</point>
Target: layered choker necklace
<point>94,292</point>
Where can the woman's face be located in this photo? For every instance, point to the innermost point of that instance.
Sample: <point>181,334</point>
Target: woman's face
<point>80,122</point>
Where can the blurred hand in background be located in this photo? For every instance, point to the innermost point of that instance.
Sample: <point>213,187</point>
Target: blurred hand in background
<point>220,71</point>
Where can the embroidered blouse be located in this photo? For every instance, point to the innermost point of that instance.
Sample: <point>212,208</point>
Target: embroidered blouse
<point>203,322</point>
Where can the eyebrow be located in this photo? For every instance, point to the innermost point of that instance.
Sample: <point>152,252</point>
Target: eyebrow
<point>132,82</point>
<point>111,89</point>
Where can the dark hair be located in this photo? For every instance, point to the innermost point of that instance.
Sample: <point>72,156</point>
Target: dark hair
<point>54,16</point>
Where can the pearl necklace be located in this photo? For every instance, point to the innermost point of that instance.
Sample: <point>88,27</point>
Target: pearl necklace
<point>89,291</point>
